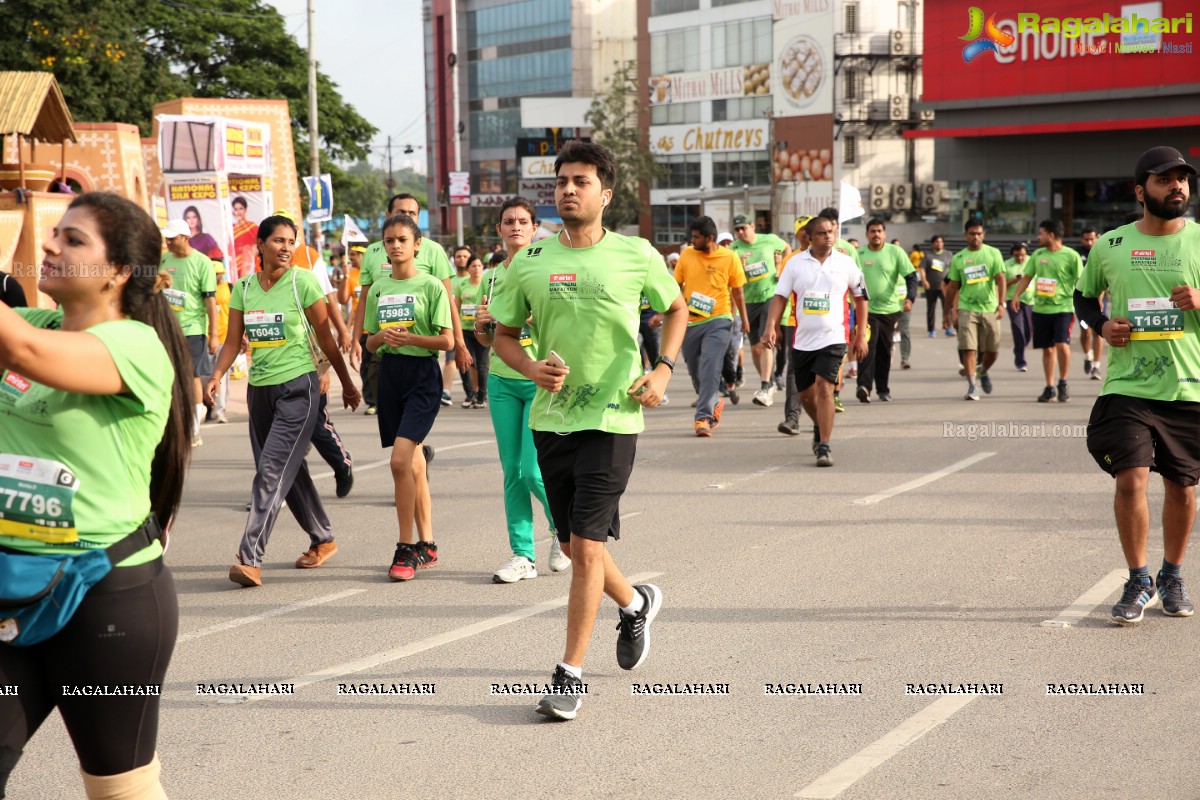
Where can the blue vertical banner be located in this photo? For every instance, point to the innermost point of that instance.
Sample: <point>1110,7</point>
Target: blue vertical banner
<point>320,197</point>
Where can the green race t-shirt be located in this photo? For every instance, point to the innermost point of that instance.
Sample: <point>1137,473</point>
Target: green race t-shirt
<point>431,259</point>
<point>468,298</point>
<point>976,271</point>
<point>75,468</point>
<point>1162,359</point>
<point>845,248</point>
<point>493,279</point>
<point>758,262</point>
<point>191,279</point>
<point>275,326</point>
<point>1054,275</point>
<point>883,268</point>
<point>1013,272</point>
<point>585,303</point>
<point>418,303</point>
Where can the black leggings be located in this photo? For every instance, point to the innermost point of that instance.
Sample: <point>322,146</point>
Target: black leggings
<point>122,634</point>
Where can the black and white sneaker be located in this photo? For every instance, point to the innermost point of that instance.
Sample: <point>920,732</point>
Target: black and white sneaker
<point>564,701</point>
<point>345,482</point>
<point>1175,600</point>
<point>1136,597</point>
<point>790,427</point>
<point>824,456</point>
<point>633,641</point>
<point>1047,395</point>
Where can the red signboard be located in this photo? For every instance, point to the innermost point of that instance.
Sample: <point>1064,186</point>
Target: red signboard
<point>1013,48</point>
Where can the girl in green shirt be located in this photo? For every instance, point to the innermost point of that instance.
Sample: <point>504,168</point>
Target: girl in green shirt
<point>408,321</point>
<point>467,296</point>
<point>95,431</point>
<point>512,395</point>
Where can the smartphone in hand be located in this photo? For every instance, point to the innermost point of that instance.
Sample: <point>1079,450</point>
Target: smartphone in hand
<point>555,360</point>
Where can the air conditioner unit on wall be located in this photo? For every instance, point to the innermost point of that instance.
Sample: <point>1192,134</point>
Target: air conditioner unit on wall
<point>880,197</point>
<point>900,43</point>
<point>902,196</point>
<point>897,108</point>
<point>927,114</point>
<point>928,196</point>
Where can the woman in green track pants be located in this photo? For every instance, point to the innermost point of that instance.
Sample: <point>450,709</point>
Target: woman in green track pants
<point>510,395</point>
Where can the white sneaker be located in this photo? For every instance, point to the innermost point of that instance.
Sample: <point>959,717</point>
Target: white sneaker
<point>558,561</point>
<point>765,397</point>
<point>518,568</point>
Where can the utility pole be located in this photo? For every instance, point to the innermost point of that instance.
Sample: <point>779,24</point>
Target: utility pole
<point>458,126</point>
<point>391,182</point>
<point>314,155</point>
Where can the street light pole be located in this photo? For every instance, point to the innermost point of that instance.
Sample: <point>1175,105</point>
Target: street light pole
<point>314,155</point>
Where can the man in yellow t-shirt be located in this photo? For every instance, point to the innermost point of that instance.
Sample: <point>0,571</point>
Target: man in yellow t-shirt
<point>217,412</point>
<point>712,278</point>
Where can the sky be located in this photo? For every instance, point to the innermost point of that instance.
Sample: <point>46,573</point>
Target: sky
<point>375,53</point>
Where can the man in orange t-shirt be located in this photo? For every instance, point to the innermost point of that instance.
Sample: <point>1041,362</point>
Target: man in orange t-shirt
<point>711,278</point>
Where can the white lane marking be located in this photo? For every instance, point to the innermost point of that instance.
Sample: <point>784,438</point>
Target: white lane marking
<point>413,648</point>
<point>275,612</point>
<point>847,773</point>
<point>630,515</point>
<point>749,477</point>
<point>386,461</point>
<point>919,482</point>
<point>1088,600</point>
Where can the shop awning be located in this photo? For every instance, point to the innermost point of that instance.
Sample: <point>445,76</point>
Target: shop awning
<point>1078,126</point>
<point>32,104</point>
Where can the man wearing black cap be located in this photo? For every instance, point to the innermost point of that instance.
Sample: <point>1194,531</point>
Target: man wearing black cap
<point>1148,414</point>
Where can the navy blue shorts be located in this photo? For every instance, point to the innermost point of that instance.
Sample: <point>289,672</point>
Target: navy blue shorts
<point>409,397</point>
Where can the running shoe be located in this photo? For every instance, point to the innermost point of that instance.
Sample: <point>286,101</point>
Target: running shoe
<point>703,429</point>
<point>1136,597</point>
<point>428,452</point>
<point>765,397</point>
<point>824,456</point>
<point>468,403</point>
<point>884,397</point>
<point>317,555</point>
<point>863,394</point>
<point>1047,395</point>
<point>426,555</point>
<point>837,404</point>
<point>716,417</point>
<point>480,404</point>
<point>739,379</point>
<point>933,334</point>
<point>1175,600</point>
<point>518,568</point>
<point>789,427</point>
<point>950,331</point>
<point>852,372</point>
<point>1095,374</point>
<point>972,393</point>
<point>734,395</point>
<point>1087,366</point>
<point>1063,394</point>
<point>564,701</point>
<point>905,365</point>
<point>695,402</point>
<point>446,398</point>
<point>633,641</point>
<point>559,562</point>
<point>404,563</point>
<point>372,411</point>
<point>1022,367</point>
<point>221,419</point>
<point>781,383</point>
<point>985,382</point>
<point>345,482</point>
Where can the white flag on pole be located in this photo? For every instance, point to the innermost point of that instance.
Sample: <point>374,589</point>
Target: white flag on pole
<point>850,205</point>
<point>351,234</point>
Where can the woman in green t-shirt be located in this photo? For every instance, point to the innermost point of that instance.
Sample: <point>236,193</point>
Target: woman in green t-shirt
<point>467,295</point>
<point>408,320</point>
<point>281,310</point>
<point>95,431</point>
<point>512,395</point>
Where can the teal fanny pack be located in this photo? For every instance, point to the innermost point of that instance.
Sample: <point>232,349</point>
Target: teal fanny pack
<point>39,594</point>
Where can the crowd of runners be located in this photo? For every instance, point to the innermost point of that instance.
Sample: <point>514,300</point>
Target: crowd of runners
<point>565,340</point>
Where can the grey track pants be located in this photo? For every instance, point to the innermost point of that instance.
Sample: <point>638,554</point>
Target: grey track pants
<point>282,419</point>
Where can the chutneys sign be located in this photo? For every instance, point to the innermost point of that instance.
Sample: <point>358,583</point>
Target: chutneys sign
<point>713,137</point>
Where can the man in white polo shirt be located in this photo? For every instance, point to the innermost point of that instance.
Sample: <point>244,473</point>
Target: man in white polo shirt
<point>818,281</point>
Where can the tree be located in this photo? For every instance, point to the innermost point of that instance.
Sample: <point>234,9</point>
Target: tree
<point>613,117</point>
<point>116,58</point>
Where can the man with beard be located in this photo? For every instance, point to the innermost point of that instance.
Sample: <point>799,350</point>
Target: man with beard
<point>1148,414</point>
<point>1092,346</point>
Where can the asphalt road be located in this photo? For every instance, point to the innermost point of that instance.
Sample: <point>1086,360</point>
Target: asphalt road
<point>930,554</point>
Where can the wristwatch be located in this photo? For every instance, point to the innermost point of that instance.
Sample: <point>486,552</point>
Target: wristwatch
<point>664,360</point>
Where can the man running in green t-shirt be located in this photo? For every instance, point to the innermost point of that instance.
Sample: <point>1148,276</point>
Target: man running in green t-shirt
<point>975,292</point>
<point>1148,414</point>
<point>884,265</point>
<point>583,289</point>
<point>763,256</point>
<point>1053,270</point>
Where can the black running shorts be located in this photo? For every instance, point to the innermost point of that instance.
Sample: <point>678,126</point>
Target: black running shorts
<point>1163,435</point>
<point>585,474</point>
<point>826,362</point>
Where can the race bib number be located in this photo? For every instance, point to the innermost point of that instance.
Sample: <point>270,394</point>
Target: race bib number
<point>265,329</point>
<point>975,273</point>
<point>816,303</point>
<point>937,265</point>
<point>902,290</point>
<point>756,271</point>
<point>468,312</point>
<point>1154,318</point>
<point>175,298</point>
<point>701,305</point>
<point>526,339</point>
<point>1047,287</point>
<point>645,304</point>
<point>35,499</point>
<point>400,309</point>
